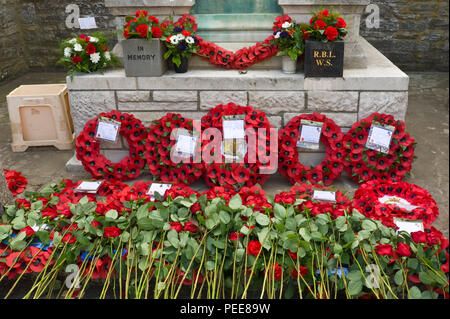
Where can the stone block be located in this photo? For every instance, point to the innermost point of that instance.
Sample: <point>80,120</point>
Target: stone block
<point>274,102</point>
<point>393,103</point>
<point>133,96</point>
<point>210,99</point>
<point>85,105</point>
<point>175,96</point>
<point>157,106</point>
<point>332,101</point>
<point>275,121</point>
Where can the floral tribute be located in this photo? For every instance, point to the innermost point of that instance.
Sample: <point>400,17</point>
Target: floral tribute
<point>288,37</point>
<point>159,146</point>
<point>369,201</point>
<point>88,148</point>
<point>15,181</point>
<point>243,174</point>
<point>143,26</point>
<point>330,168</point>
<point>222,243</point>
<point>363,164</point>
<point>326,26</point>
<point>86,54</point>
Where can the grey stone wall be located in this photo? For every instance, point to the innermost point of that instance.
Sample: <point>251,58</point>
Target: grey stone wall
<point>413,33</point>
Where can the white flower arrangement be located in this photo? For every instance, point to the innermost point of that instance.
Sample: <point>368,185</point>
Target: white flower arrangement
<point>77,47</point>
<point>95,57</point>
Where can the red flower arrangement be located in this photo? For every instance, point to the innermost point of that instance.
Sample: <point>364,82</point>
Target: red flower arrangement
<point>15,181</point>
<point>88,149</point>
<point>158,151</point>
<point>306,192</point>
<point>326,26</point>
<point>142,26</point>
<point>330,168</point>
<point>237,174</point>
<point>366,201</point>
<point>363,164</point>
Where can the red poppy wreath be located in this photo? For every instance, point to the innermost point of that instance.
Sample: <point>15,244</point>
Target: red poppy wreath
<point>159,146</point>
<point>240,173</point>
<point>364,164</point>
<point>329,169</point>
<point>88,148</point>
<point>385,200</point>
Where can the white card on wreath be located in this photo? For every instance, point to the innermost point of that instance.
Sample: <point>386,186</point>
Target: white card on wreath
<point>398,201</point>
<point>233,129</point>
<point>107,131</point>
<point>380,136</point>
<point>88,187</point>
<point>186,144</point>
<point>87,23</point>
<point>158,188</point>
<point>409,226</point>
<point>324,196</point>
<point>311,134</point>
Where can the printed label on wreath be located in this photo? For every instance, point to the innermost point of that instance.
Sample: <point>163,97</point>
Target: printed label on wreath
<point>400,202</point>
<point>233,127</point>
<point>87,23</point>
<point>380,137</point>
<point>234,149</point>
<point>310,132</point>
<point>158,188</point>
<point>186,145</point>
<point>107,129</point>
<point>324,196</point>
<point>408,225</point>
<point>88,187</point>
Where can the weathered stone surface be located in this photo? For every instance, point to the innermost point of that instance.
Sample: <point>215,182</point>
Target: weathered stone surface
<point>332,101</point>
<point>133,96</point>
<point>276,121</point>
<point>175,96</point>
<point>85,105</point>
<point>210,99</point>
<point>274,102</point>
<point>157,106</point>
<point>394,103</point>
<point>5,194</point>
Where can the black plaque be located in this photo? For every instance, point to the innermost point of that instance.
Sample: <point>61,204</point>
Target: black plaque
<point>324,59</point>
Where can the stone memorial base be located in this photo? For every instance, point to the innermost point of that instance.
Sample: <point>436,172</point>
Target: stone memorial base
<point>378,87</point>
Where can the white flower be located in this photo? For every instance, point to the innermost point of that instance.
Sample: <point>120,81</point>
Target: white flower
<point>277,35</point>
<point>93,39</point>
<point>67,52</point>
<point>181,37</point>
<point>190,40</point>
<point>77,47</point>
<point>73,41</point>
<point>107,56</point>
<point>174,40</point>
<point>286,25</point>
<point>95,57</point>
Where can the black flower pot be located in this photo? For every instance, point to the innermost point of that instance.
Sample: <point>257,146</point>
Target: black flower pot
<point>183,66</point>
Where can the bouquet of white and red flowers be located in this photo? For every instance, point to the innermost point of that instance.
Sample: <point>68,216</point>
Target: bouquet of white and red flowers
<point>86,54</point>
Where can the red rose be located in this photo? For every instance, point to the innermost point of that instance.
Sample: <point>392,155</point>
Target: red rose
<point>331,33</point>
<point>253,247</point>
<point>126,34</point>
<point>156,32</point>
<point>142,30</point>
<point>341,23</point>
<point>320,25</point>
<point>90,49</point>
<point>112,232</point>
<point>153,19</point>
<point>23,203</point>
<point>177,226</point>
<point>403,250</point>
<point>303,271</point>
<point>277,271</point>
<point>188,226</point>
<point>28,231</point>
<point>324,13</point>
<point>141,13</point>
<point>419,237</point>
<point>196,208</point>
<point>384,250</point>
<point>76,59</point>
<point>95,223</point>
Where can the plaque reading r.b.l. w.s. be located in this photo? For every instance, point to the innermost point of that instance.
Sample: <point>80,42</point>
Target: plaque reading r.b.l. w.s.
<point>324,59</point>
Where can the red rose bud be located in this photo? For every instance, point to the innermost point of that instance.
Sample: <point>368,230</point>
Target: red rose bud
<point>28,231</point>
<point>188,226</point>
<point>419,237</point>
<point>384,250</point>
<point>76,59</point>
<point>177,226</point>
<point>90,49</point>
<point>111,232</point>
<point>253,247</point>
<point>196,208</point>
<point>95,223</point>
<point>403,250</point>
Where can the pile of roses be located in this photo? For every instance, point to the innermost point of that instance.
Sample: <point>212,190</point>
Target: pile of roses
<point>219,243</point>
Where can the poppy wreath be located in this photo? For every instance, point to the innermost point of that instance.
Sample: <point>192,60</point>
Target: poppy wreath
<point>363,164</point>
<point>243,174</point>
<point>305,192</point>
<point>158,148</point>
<point>366,201</point>
<point>15,181</point>
<point>330,168</point>
<point>88,148</point>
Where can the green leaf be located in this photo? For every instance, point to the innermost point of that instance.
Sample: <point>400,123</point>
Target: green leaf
<point>354,275</point>
<point>415,293</point>
<point>279,211</point>
<point>172,237</point>
<point>224,217</point>
<point>305,234</point>
<point>355,287</point>
<point>262,219</point>
<point>145,223</point>
<point>236,202</point>
<point>113,214</point>
<point>398,278</point>
<point>369,225</point>
<point>44,237</point>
